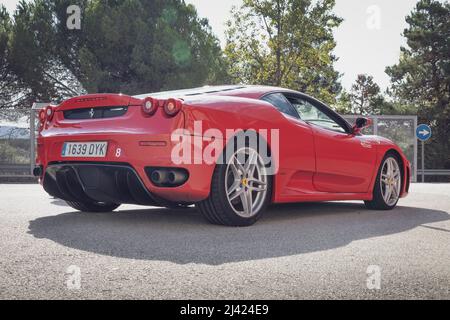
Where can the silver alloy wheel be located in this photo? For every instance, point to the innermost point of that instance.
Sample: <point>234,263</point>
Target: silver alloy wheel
<point>390,181</point>
<point>246,182</point>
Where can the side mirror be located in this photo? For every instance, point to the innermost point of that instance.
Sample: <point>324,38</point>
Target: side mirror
<point>360,124</point>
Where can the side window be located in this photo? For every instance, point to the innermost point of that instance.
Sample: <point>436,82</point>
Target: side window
<point>311,114</point>
<point>280,102</point>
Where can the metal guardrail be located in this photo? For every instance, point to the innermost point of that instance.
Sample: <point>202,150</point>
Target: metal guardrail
<point>15,170</point>
<point>8,166</point>
<point>434,172</point>
<point>16,178</point>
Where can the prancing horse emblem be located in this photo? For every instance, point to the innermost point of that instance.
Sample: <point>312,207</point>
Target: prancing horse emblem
<point>91,113</point>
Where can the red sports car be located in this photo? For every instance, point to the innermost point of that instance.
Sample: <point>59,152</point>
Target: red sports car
<point>230,150</point>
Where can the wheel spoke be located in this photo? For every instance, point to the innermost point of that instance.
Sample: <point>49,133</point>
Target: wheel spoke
<point>236,194</point>
<point>251,162</point>
<point>257,181</point>
<point>258,189</point>
<point>395,190</point>
<point>234,169</point>
<point>247,202</point>
<point>388,192</point>
<point>239,165</point>
<point>234,186</point>
<point>257,185</point>
<point>251,172</point>
<point>392,167</point>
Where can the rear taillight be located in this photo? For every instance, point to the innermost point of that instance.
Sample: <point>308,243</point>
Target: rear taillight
<point>49,112</point>
<point>42,116</point>
<point>172,107</point>
<point>150,105</point>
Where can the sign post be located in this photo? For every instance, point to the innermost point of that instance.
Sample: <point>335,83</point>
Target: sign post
<point>423,133</point>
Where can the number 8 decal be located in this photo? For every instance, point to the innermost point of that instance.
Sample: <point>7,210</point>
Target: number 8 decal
<point>118,152</point>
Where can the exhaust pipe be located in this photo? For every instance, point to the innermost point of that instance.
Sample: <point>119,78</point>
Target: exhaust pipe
<point>167,177</point>
<point>159,176</point>
<point>37,171</point>
<point>177,177</point>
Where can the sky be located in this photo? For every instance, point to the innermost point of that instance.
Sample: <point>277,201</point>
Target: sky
<point>368,40</point>
<point>363,44</point>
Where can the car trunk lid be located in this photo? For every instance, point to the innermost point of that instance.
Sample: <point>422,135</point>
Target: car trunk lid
<point>98,100</point>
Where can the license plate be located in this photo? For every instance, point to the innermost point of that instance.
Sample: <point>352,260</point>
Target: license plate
<point>84,149</point>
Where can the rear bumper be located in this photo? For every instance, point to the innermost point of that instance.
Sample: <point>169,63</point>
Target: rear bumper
<point>135,157</point>
<point>98,182</point>
<point>119,183</point>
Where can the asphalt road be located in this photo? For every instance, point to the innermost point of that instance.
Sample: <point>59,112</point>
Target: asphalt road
<point>301,251</point>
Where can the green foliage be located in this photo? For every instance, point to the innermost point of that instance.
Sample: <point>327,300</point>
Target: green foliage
<point>14,151</point>
<point>285,43</point>
<point>343,104</point>
<point>422,76</point>
<point>364,98</point>
<point>138,46</point>
<point>132,46</point>
<point>39,74</point>
<point>9,87</point>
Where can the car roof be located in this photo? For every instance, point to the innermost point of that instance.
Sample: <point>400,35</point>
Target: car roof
<point>245,91</point>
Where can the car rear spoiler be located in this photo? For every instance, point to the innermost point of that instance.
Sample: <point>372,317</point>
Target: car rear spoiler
<point>99,100</point>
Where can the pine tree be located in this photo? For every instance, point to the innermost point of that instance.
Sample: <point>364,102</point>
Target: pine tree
<point>422,76</point>
<point>132,47</point>
<point>285,43</point>
<point>365,96</point>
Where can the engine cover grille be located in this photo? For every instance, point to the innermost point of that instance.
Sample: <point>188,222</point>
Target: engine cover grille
<point>95,113</point>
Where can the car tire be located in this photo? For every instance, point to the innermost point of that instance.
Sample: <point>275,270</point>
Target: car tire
<point>219,209</point>
<point>93,206</point>
<point>384,181</point>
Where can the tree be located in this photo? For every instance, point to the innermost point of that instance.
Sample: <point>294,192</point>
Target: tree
<point>343,104</point>
<point>6,78</point>
<point>139,46</point>
<point>133,46</point>
<point>365,96</point>
<point>33,61</point>
<point>422,76</point>
<point>9,86</point>
<point>284,43</point>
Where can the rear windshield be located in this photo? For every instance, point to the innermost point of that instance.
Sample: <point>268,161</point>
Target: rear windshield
<point>189,92</point>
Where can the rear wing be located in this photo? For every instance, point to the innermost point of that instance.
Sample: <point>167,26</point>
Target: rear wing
<point>99,100</point>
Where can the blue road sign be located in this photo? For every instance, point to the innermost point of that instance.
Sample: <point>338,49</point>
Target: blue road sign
<point>423,132</point>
